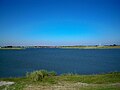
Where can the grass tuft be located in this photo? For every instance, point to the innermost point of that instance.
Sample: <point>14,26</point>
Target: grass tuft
<point>39,75</point>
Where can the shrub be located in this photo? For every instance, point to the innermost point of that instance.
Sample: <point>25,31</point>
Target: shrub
<point>35,76</point>
<point>68,74</point>
<point>52,73</point>
<point>44,72</point>
<point>39,75</point>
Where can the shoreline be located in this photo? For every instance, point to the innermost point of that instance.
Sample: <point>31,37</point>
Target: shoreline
<point>12,48</point>
<point>51,81</point>
<point>60,47</point>
<point>90,47</point>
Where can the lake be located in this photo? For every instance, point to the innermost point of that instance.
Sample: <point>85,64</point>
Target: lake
<point>15,63</point>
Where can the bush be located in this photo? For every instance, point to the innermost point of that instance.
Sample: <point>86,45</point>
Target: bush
<point>35,76</point>
<point>68,74</point>
<point>44,72</point>
<point>39,75</point>
<point>52,73</point>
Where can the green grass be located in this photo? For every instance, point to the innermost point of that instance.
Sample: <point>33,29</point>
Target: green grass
<point>100,82</point>
<point>96,79</point>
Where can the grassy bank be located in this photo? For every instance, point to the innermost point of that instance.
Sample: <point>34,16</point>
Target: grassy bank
<point>90,47</point>
<point>50,81</point>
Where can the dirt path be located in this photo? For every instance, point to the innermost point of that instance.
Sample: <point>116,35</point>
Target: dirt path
<point>2,83</point>
<point>66,86</point>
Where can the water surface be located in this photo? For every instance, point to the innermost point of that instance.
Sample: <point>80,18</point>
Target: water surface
<point>14,63</point>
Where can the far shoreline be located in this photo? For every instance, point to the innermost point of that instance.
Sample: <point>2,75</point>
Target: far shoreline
<point>59,47</point>
<point>12,48</point>
<point>90,47</point>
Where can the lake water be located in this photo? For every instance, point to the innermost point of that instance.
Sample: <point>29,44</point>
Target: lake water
<point>14,63</point>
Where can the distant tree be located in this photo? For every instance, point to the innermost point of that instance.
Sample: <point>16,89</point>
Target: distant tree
<point>114,45</point>
<point>9,47</point>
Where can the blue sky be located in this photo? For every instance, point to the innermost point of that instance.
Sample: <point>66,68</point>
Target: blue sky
<point>59,22</point>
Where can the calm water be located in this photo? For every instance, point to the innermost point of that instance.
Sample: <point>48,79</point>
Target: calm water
<point>15,63</point>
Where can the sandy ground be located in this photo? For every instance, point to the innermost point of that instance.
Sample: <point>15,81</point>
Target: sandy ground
<point>2,83</point>
<point>65,86</point>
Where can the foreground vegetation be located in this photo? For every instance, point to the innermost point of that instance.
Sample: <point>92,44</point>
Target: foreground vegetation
<point>44,80</point>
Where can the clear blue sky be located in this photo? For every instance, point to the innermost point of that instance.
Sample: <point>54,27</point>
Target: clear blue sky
<point>59,22</point>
